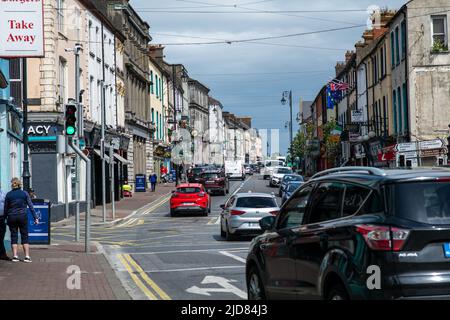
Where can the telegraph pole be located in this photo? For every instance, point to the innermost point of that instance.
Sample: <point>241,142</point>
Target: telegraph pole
<point>103,119</point>
<point>174,115</point>
<point>77,142</point>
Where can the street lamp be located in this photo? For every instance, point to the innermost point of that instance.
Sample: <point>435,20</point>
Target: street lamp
<point>288,95</point>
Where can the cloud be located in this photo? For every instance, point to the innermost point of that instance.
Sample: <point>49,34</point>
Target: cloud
<point>257,74</point>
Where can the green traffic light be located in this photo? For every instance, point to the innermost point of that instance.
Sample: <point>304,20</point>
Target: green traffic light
<point>70,131</point>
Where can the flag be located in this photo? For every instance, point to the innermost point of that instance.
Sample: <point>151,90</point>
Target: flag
<point>330,98</point>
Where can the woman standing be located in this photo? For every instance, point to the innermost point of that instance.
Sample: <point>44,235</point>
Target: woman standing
<point>16,202</point>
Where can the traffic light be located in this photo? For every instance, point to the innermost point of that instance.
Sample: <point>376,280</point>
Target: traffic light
<point>71,120</point>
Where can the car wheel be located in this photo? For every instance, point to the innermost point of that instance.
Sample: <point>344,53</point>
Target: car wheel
<point>222,233</point>
<point>228,235</point>
<point>255,287</point>
<point>338,292</point>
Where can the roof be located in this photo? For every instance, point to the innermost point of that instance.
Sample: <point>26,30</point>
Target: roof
<point>189,185</point>
<point>254,194</point>
<point>390,175</point>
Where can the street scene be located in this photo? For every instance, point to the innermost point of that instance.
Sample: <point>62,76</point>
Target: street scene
<point>224,151</point>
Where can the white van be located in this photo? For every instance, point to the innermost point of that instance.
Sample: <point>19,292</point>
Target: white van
<point>235,169</point>
<point>269,165</point>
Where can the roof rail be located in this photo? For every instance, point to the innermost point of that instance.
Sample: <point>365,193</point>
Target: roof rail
<point>369,170</point>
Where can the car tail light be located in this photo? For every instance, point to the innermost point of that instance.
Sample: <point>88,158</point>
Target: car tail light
<point>383,238</point>
<point>201,194</point>
<point>275,213</point>
<point>236,212</point>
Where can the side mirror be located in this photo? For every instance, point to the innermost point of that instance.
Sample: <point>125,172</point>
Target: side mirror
<point>267,223</point>
<point>222,206</point>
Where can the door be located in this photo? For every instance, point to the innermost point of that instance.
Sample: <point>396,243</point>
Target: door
<point>311,242</point>
<point>277,253</point>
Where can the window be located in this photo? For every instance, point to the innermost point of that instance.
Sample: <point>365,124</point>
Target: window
<point>403,29</point>
<point>385,130</point>
<point>152,85</point>
<point>439,31</point>
<point>405,109</point>
<point>382,62</point>
<point>353,199</point>
<point>62,80</point>
<point>399,108</point>
<point>15,80</point>
<point>60,12</point>
<point>392,50</point>
<point>256,202</point>
<point>294,211</point>
<point>326,202</point>
<point>394,105</point>
<point>375,107</point>
<point>397,47</point>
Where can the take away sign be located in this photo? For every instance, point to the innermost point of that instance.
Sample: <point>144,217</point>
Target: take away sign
<point>22,28</point>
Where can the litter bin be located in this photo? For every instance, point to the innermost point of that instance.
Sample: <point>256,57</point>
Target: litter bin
<point>40,233</point>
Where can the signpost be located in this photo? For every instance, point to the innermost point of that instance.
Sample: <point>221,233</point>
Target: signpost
<point>22,25</point>
<point>140,185</point>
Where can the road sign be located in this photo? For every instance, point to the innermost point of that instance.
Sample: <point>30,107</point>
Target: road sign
<point>405,147</point>
<point>225,286</point>
<point>430,153</point>
<point>431,144</point>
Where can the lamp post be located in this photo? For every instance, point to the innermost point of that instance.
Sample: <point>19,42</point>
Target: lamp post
<point>288,95</point>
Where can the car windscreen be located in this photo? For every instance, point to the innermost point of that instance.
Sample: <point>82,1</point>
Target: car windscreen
<point>188,190</point>
<point>284,171</point>
<point>293,186</point>
<point>211,175</point>
<point>425,202</point>
<point>256,202</point>
<point>293,178</point>
<point>197,170</point>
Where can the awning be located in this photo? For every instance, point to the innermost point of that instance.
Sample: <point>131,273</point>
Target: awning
<point>122,159</point>
<point>97,152</point>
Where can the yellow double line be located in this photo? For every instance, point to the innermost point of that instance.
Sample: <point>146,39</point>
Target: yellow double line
<point>151,290</point>
<point>158,204</point>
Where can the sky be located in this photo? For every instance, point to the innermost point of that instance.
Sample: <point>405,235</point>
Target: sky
<point>250,77</point>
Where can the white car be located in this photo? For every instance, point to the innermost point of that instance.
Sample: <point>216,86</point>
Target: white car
<point>278,175</point>
<point>269,165</point>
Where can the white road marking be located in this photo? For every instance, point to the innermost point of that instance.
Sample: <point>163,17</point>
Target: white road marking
<point>225,287</point>
<point>235,257</point>
<point>194,269</point>
<point>188,251</point>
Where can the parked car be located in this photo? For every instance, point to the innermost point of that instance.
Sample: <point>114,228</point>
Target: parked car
<point>190,198</point>
<point>288,179</point>
<point>278,175</point>
<point>290,189</point>
<point>255,168</point>
<point>242,212</point>
<point>348,226</point>
<point>215,181</point>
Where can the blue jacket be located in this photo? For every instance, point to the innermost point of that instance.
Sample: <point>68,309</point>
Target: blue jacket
<point>153,178</point>
<point>16,203</point>
<point>2,202</point>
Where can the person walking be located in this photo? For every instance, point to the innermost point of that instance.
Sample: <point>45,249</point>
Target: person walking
<point>3,255</point>
<point>153,180</point>
<point>15,211</point>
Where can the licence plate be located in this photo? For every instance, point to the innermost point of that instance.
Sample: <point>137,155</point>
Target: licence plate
<point>188,203</point>
<point>447,250</point>
<point>210,182</point>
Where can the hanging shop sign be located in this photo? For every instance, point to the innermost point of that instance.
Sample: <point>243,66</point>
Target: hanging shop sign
<point>22,25</point>
<point>357,116</point>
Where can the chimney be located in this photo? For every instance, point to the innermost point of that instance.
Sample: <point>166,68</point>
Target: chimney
<point>156,51</point>
<point>348,56</point>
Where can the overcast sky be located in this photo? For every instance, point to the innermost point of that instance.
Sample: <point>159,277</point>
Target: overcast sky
<point>249,78</point>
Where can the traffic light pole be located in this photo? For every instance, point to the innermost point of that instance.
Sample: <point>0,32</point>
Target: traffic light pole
<point>77,142</point>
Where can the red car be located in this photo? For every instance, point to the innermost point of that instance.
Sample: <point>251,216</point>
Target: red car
<point>190,197</point>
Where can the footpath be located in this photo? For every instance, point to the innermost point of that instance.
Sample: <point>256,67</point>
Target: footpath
<point>63,271</point>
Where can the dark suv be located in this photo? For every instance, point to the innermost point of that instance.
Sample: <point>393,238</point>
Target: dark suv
<point>357,233</point>
<point>215,181</point>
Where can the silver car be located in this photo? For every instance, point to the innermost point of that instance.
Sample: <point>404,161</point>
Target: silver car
<point>242,212</point>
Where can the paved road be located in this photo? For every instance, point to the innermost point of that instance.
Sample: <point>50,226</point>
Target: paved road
<point>160,257</point>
